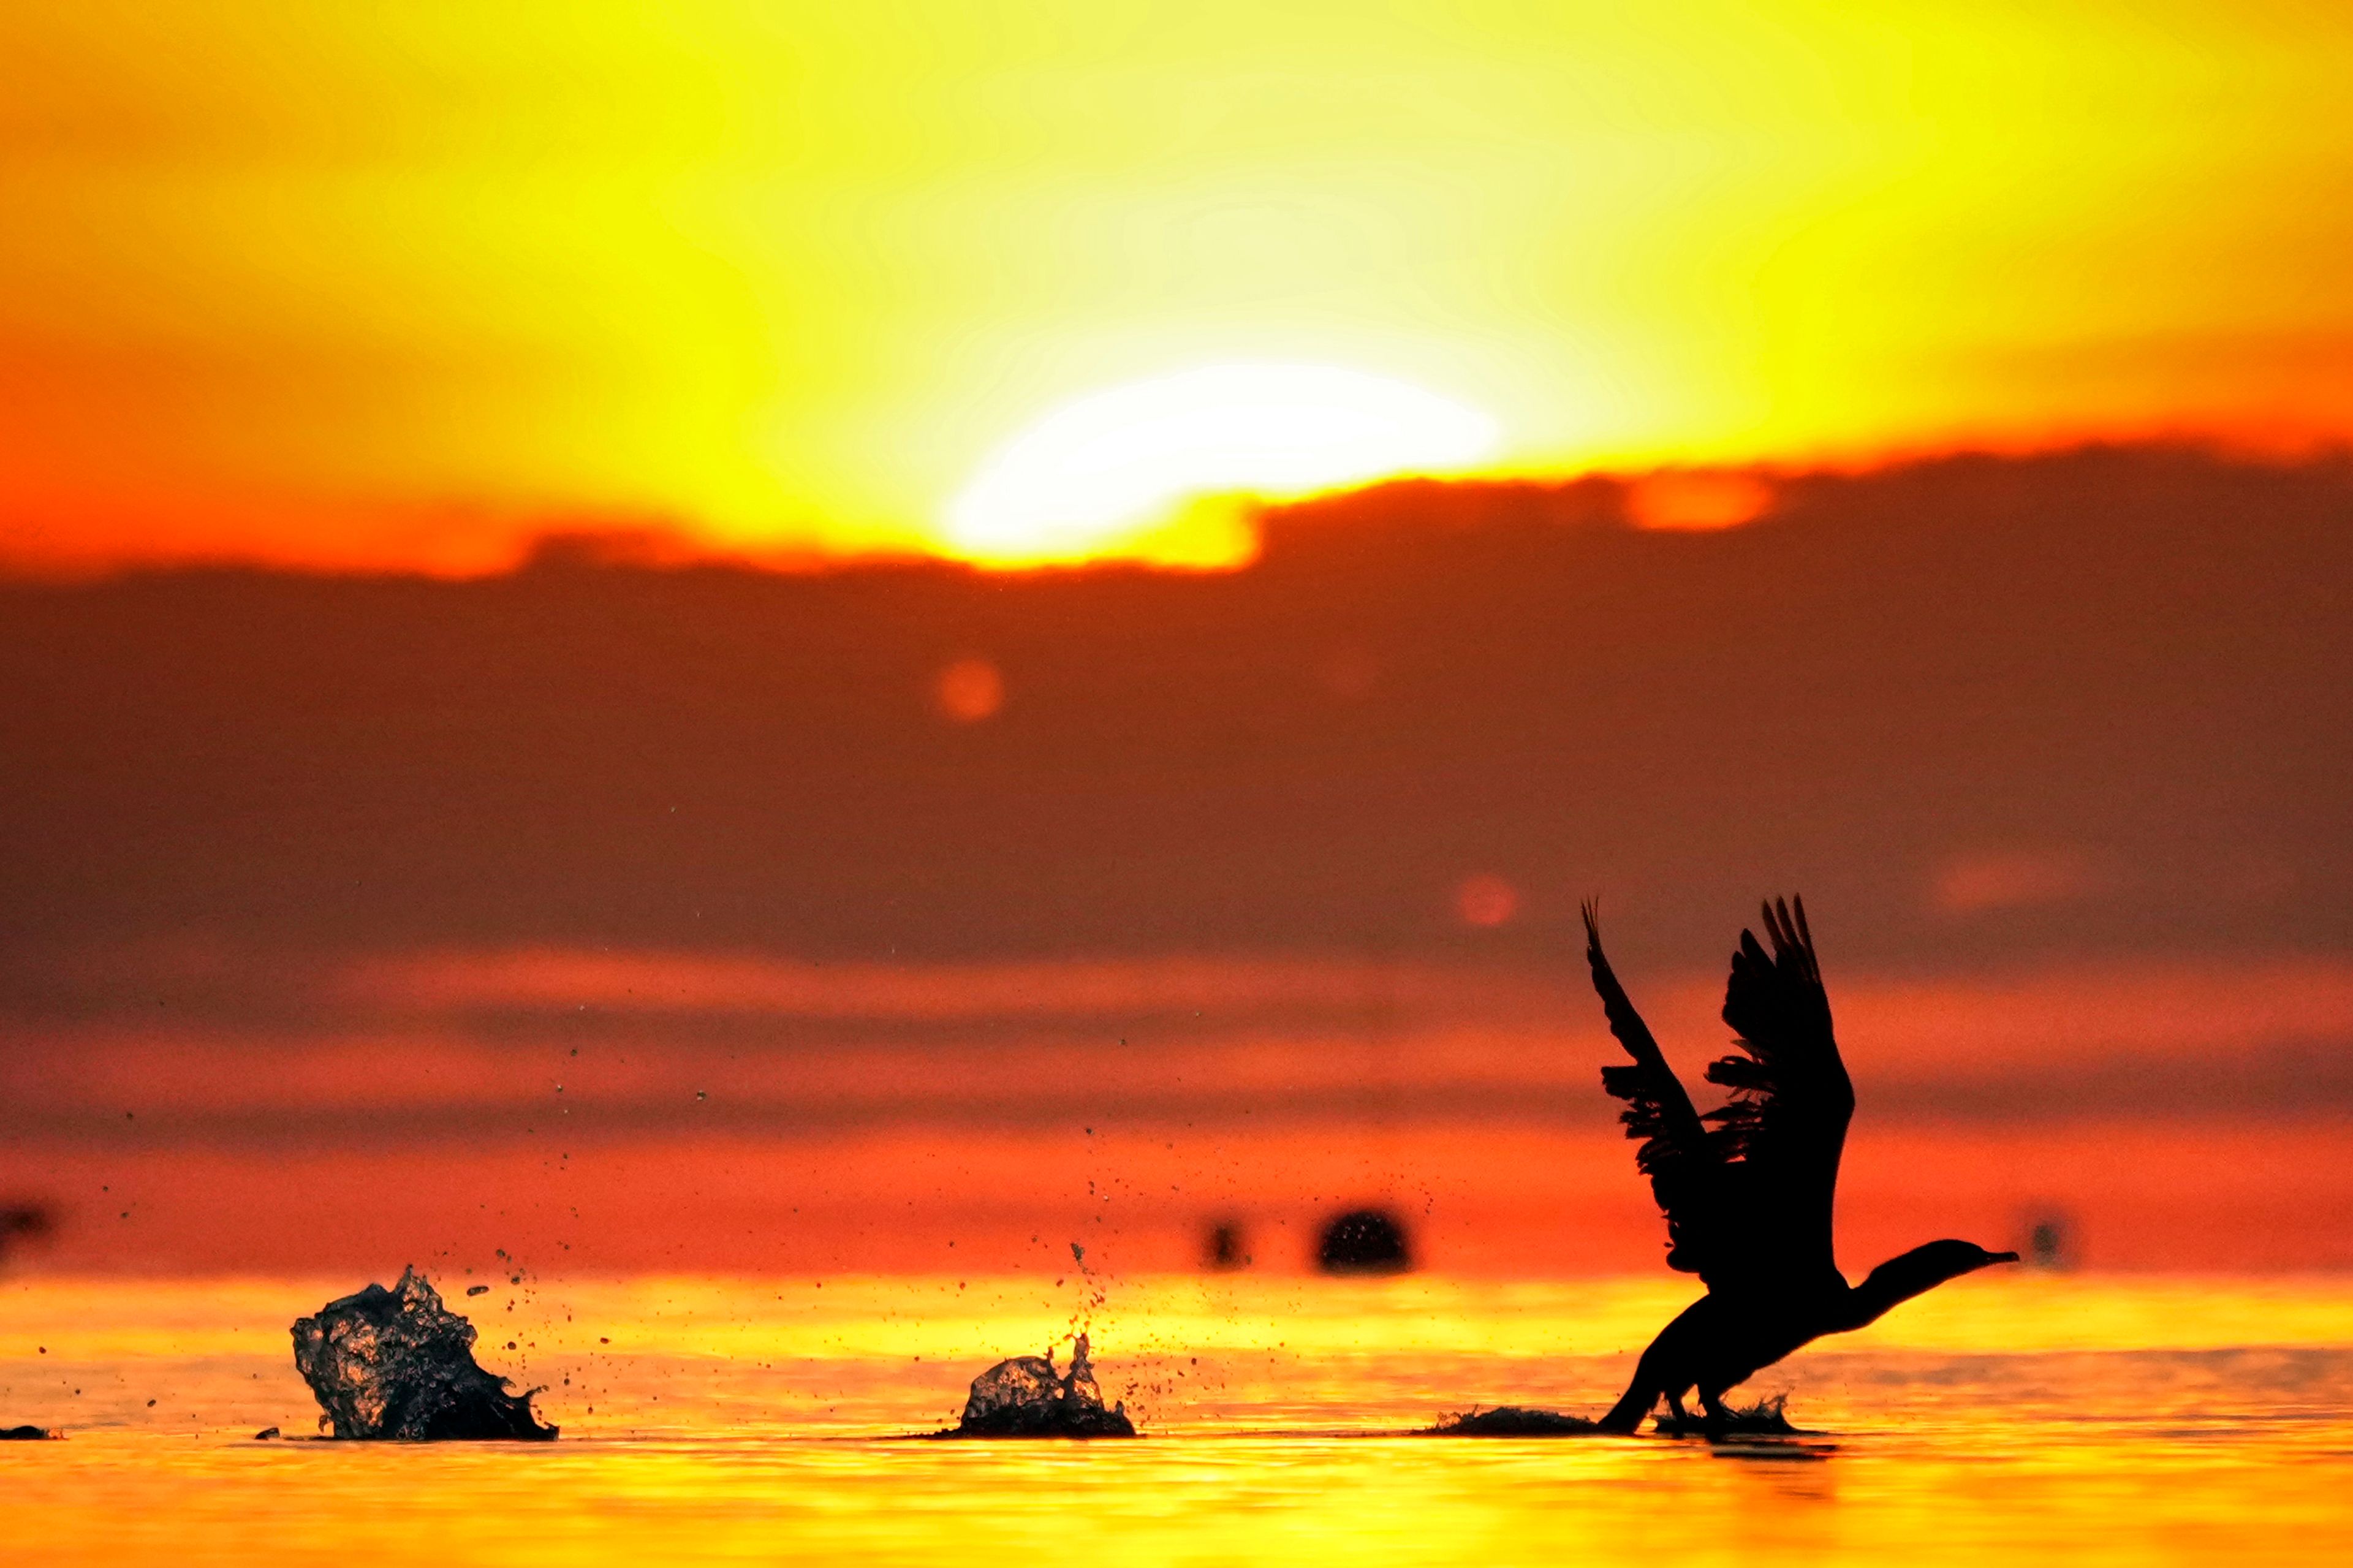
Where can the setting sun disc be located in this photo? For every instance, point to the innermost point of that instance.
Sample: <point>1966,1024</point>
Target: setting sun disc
<point>1110,468</point>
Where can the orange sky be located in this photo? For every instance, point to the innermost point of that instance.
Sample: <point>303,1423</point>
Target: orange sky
<point>912,1130</point>
<point>404,286</point>
<point>306,871</point>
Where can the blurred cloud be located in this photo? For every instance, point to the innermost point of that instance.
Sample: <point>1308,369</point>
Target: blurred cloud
<point>1485,899</point>
<point>970,689</point>
<point>427,908</point>
<point>638,1035</point>
<point>1680,500</point>
<point>1983,882</point>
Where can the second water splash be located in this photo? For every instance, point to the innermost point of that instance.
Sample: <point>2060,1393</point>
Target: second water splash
<point>1026,1396</point>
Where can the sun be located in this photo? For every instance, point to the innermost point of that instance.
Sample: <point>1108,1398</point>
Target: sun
<point>1150,469</point>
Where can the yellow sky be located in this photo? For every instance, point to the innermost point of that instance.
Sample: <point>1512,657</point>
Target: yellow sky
<point>392,284</point>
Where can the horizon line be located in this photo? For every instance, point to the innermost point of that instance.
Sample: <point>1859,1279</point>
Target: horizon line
<point>513,544</point>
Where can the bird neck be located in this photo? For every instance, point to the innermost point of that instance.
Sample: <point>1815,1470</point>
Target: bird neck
<point>1897,1281</point>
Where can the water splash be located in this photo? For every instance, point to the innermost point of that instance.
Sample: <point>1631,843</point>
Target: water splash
<point>1768,1417</point>
<point>1026,1397</point>
<point>397,1364</point>
<point>1511,1421</point>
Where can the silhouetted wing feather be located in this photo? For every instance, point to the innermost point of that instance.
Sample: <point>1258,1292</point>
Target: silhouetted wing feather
<point>1791,1100</point>
<point>1676,1151</point>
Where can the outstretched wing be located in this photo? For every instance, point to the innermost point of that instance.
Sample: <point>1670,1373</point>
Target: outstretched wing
<point>1792,1098</point>
<point>1683,1161</point>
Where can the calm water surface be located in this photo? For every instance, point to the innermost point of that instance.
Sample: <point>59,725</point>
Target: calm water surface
<point>2036,1416</point>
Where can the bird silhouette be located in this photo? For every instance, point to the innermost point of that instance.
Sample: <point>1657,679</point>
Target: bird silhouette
<point>1748,1189</point>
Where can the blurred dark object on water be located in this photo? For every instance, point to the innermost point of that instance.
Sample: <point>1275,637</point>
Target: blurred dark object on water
<point>1227,1246</point>
<point>23,1220</point>
<point>2053,1240</point>
<point>1364,1241</point>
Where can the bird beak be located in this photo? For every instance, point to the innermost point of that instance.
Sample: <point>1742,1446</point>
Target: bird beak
<point>2003,1257</point>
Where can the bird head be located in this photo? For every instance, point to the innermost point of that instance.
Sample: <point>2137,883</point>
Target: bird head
<point>1951,1260</point>
<point>1909,1274</point>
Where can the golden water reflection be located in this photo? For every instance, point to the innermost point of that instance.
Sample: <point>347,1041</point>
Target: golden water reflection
<point>2103,1420</point>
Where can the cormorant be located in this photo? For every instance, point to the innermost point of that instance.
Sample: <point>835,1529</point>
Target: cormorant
<point>1748,1189</point>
